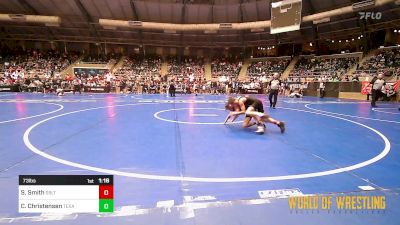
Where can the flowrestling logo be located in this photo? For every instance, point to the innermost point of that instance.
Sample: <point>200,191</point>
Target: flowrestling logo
<point>370,15</point>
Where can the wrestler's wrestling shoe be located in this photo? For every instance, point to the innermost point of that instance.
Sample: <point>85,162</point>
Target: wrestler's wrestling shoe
<point>260,129</point>
<point>281,126</point>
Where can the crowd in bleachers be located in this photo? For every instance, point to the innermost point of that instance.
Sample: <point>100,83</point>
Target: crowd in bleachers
<point>226,68</point>
<point>139,75</point>
<point>326,64</point>
<point>268,66</point>
<point>186,70</point>
<point>262,70</point>
<point>386,60</point>
<point>101,58</point>
<point>37,71</point>
<point>319,68</point>
<point>35,63</point>
<point>31,69</point>
<point>147,66</point>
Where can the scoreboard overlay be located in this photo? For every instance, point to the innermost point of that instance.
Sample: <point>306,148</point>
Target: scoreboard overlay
<point>66,193</point>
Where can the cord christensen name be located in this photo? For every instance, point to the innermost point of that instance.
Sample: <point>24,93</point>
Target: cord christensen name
<point>44,206</point>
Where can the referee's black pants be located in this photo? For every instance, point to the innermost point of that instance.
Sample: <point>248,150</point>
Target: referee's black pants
<point>172,92</point>
<point>273,97</point>
<point>375,96</point>
<point>77,88</point>
<point>322,92</point>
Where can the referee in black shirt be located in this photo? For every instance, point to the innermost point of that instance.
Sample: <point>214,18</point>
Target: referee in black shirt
<point>171,89</point>
<point>274,86</point>
<point>377,83</point>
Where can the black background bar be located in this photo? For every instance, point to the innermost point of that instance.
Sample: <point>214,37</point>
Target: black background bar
<point>66,179</point>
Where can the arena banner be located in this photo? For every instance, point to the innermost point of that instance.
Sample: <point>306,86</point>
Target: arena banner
<point>365,87</point>
<point>9,88</point>
<point>96,89</point>
<point>253,91</point>
<point>5,88</point>
<point>396,85</point>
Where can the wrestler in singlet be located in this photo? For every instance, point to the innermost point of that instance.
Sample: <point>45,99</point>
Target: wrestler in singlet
<point>255,103</point>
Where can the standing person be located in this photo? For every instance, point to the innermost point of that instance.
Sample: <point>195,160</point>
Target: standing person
<point>122,85</point>
<point>184,89</point>
<point>214,88</point>
<point>369,88</point>
<point>377,83</point>
<point>253,109</point>
<point>195,89</point>
<point>321,89</point>
<point>77,85</point>
<point>47,86</point>
<point>274,86</point>
<point>171,89</point>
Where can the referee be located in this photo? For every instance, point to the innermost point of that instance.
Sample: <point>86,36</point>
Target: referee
<point>377,83</point>
<point>172,89</point>
<point>274,86</point>
<point>77,85</point>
